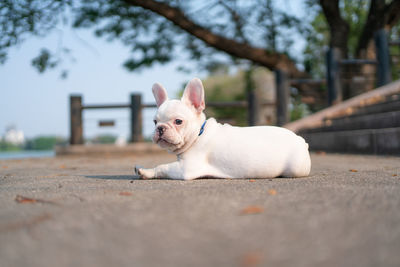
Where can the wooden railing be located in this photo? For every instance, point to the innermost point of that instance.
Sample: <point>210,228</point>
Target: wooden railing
<point>136,106</point>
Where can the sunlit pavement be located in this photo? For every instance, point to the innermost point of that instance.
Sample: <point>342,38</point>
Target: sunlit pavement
<point>81,211</point>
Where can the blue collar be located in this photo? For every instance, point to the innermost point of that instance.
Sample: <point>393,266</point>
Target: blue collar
<point>202,127</point>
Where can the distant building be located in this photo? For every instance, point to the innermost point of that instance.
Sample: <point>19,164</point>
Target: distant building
<point>121,141</point>
<point>14,136</point>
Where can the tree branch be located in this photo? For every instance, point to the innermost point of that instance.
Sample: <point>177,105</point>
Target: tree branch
<point>237,19</point>
<point>257,55</point>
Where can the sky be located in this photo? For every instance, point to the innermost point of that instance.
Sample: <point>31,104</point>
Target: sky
<point>38,104</point>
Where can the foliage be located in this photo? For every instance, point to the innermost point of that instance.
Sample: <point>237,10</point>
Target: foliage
<point>220,93</point>
<point>355,14</point>
<point>317,41</point>
<point>318,33</point>
<point>22,19</point>
<point>44,61</point>
<point>104,139</point>
<point>225,87</point>
<point>48,142</point>
<point>298,109</point>
<point>213,33</point>
<point>151,38</point>
<point>37,143</point>
<point>395,52</point>
<point>222,86</point>
<point>5,146</point>
<point>44,143</point>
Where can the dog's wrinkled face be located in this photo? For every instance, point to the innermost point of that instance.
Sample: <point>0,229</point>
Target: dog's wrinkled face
<point>172,121</point>
<point>177,122</point>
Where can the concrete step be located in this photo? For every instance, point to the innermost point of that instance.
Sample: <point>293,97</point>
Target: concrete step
<point>392,103</point>
<point>367,141</point>
<point>367,121</point>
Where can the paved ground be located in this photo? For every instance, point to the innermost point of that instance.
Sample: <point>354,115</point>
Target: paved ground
<point>74,211</point>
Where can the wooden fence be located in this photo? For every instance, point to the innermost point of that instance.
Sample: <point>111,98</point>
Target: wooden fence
<point>136,106</point>
<point>334,65</point>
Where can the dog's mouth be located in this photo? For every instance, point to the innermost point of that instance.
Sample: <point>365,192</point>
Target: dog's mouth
<point>161,141</point>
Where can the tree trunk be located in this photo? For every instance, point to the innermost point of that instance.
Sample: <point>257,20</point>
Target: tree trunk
<point>339,28</point>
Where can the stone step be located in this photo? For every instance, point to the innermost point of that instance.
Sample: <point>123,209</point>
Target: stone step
<point>367,141</point>
<point>367,121</point>
<point>392,104</point>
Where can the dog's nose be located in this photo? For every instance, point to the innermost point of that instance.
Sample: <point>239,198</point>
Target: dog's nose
<point>161,130</point>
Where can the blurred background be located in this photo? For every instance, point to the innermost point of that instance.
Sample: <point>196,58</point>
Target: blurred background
<point>106,50</point>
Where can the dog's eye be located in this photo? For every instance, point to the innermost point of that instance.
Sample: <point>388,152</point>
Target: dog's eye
<point>178,122</point>
<point>155,122</point>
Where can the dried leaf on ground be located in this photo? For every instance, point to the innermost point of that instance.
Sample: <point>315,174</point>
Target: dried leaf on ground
<point>394,175</point>
<point>251,259</point>
<point>353,170</point>
<point>125,193</point>
<point>21,199</point>
<point>252,209</point>
<point>252,180</point>
<point>25,200</point>
<point>4,167</point>
<point>272,192</point>
<point>62,166</point>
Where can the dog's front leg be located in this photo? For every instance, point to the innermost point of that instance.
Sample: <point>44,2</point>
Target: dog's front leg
<point>171,170</point>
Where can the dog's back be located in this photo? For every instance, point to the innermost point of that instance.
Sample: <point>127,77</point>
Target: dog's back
<point>255,152</point>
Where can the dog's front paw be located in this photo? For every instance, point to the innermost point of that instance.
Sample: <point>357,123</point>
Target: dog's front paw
<point>144,173</point>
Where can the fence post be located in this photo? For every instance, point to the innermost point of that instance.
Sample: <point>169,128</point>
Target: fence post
<point>335,94</point>
<point>252,108</point>
<point>136,118</point>
<point>383,57</point>
<point>282,97</point>
<point>76,135</point>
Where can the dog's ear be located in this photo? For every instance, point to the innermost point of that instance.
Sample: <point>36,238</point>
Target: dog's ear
<point>194,95</point>
<point>160,94</point>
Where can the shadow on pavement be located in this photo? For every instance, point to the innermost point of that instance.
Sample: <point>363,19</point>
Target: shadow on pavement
<point>113,177</point>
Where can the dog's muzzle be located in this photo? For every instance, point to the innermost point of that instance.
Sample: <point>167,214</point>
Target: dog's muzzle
<point>161,130</point>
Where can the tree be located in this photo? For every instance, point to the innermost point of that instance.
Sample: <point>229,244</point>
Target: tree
<point>352,25</point>
<point>44,142</point>
<point>218,30</point>
<point>157,29</point>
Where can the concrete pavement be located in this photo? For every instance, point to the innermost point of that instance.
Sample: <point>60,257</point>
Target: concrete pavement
<point>89,211</point>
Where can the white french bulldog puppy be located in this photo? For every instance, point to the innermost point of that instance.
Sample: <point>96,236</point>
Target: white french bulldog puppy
<point>205,148</point>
